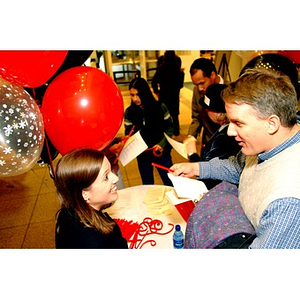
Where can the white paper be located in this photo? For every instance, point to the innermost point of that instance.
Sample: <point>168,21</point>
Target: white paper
<point>179,147</point>
<point>134,146</point>
<point>187,187</point>
<point>173,198</point>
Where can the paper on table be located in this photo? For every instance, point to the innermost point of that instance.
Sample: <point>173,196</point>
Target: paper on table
<point>173,198</point>
<point>188,188</point>
<point>156,202</point>
<point>179,147</point>
<point>134,146</point>
<point>184,206</point>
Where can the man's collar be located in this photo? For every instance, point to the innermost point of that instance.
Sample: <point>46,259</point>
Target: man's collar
<point>291,141</point>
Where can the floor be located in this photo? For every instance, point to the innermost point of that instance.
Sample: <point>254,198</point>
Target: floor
<point>28,202</point>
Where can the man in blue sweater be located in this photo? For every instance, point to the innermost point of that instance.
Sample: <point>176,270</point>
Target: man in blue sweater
<point>262,109</point>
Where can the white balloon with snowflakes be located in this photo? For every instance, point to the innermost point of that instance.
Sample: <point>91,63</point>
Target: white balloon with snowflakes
<point>21,130</point>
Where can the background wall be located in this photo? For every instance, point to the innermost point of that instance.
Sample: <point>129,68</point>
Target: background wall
<point>236,60</point>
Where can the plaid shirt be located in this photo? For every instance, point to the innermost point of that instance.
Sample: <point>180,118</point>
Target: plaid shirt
<point>279,226</point>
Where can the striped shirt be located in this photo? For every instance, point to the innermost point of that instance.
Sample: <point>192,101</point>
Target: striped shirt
<point>279,226</point>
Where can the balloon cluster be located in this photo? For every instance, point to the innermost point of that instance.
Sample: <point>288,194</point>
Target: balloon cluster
<point>80,107</point>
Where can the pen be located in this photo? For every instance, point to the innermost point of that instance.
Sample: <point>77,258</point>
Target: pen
<point>124,142</point>
<point>161,167</point>
<point>131,131</point>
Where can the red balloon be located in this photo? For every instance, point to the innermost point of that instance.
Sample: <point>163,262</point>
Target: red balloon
<point>82,107</point>
<point>30,68</point>
<point>294,56</point>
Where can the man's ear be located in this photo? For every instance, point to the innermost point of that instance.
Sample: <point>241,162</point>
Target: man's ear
<point>213,76</point>
<point>273,124</point>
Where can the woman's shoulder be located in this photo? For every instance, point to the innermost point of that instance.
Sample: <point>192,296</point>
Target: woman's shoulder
<point>132,108</point>
<point>66,212</point>
<point>72,233</point>
<point>128,108</point>
<point>67,217</point>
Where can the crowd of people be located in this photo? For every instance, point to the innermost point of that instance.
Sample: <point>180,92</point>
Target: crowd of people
<point>251,147</point>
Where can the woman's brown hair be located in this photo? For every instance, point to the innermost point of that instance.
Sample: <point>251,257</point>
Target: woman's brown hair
<point>75,172</point>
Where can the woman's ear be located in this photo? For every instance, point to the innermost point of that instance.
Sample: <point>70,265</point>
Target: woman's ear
<point>273,124</point>
<point>85,196</point>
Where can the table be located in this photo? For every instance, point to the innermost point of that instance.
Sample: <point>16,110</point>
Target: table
<point>146,218</point>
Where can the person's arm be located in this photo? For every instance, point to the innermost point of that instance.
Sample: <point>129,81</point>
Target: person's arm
<point>223,169</point>
<point>219,169</point>
<point>168,126</point>
<point>196,124</point>
<point>154,83</point>
<point>279,226</point>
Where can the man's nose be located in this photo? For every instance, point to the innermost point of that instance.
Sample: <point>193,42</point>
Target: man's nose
<point>231,130</point>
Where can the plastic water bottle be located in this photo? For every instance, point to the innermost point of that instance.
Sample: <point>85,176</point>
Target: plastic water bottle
<point>178,238</point>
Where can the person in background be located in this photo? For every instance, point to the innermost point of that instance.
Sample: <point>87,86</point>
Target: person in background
<point>262,109</point>
<point>220,144</point>
<point>203,73</point>
<point>161,58</point>
<point>152,118</point>
<point>86,186</point>
<point>167,82</point>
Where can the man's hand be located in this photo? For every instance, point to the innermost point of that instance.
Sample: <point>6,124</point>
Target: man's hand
<point>185,169</point>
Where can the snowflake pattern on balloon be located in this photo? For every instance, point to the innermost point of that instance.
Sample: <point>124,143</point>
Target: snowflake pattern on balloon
<point>21,130</point>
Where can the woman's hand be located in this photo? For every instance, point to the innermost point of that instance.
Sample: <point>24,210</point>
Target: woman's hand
<point>185,169</point>
<point>116,148</point>
<point>158,150</point>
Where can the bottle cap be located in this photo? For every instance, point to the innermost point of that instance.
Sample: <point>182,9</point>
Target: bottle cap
<point>177,227</point>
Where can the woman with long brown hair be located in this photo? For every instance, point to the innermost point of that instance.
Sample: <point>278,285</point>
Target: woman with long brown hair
<point>152,119</point>
<point>86,186</point>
